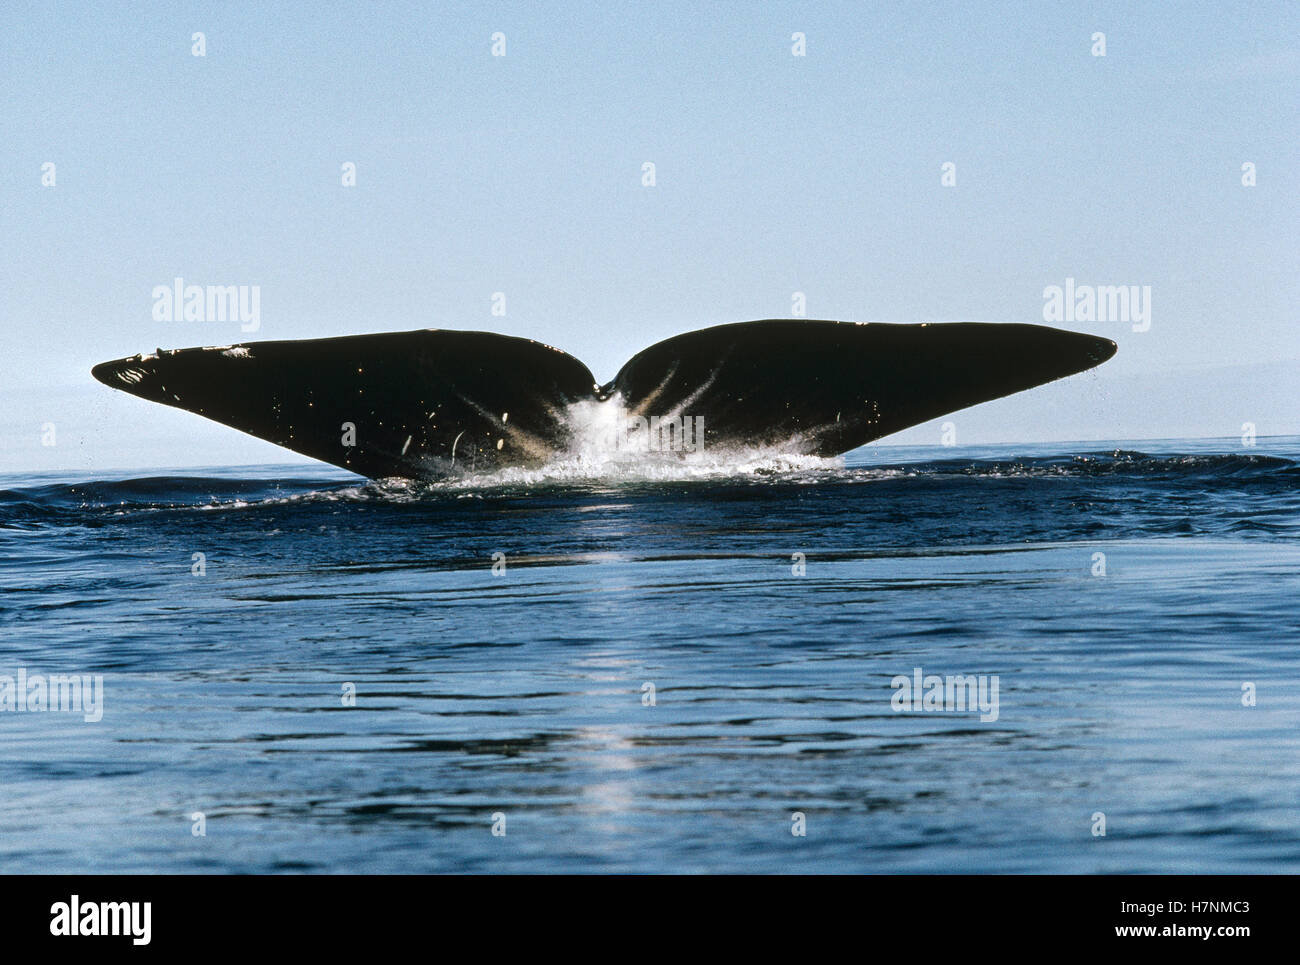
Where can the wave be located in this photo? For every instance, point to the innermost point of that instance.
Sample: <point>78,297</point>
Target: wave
<point>1124,462</point>
<point>1212,470</point>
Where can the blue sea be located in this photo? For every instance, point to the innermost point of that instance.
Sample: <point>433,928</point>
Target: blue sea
<point>663,673</point>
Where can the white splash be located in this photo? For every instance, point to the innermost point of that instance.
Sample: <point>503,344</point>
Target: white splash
<point>602,451</point>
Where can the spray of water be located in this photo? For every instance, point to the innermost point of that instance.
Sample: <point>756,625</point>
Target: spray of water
<point>603,450</point>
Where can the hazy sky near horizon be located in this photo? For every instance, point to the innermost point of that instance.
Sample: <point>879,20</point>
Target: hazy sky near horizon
<point>774,174</point>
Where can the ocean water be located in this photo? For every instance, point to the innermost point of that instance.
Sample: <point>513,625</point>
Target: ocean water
<point>345,684</point>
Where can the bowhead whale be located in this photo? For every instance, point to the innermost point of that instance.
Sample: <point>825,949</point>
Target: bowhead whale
<point>430,403</point>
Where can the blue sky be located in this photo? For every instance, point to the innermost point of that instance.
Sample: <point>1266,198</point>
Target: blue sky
<point>523,174</point>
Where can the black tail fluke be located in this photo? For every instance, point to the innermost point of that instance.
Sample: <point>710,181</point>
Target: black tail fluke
<point>823,388</point>
<point>408,404</point>
<point>430,403</point>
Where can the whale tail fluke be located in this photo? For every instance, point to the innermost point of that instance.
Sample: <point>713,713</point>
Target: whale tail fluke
<point>405,404</point>
<point>833,386</point>
<point>430,403</point>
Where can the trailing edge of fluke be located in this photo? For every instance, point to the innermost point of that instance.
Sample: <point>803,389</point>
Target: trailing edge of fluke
<point>431,403</point>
